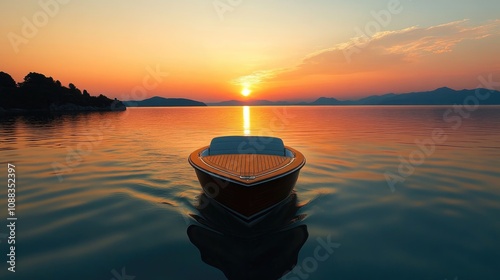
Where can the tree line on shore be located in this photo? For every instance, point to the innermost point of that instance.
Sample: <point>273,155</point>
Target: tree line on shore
<point>40,93</point>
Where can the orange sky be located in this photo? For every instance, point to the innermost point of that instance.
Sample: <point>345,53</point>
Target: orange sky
<point>278,50</point>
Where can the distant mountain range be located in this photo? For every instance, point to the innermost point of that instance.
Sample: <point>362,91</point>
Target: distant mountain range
<point>158,101</point>
<point>440,96</point>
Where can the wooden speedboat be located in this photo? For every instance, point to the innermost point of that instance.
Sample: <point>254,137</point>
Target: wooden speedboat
<point>247,174</point>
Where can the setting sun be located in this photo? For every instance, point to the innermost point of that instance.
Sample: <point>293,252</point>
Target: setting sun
<point>246,92</point>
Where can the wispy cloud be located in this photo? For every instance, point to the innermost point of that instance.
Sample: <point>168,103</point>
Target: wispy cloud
<point>381,51</point>
<point>256,77</point>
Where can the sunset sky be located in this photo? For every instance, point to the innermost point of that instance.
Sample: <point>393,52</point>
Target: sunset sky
<point>269,49</point>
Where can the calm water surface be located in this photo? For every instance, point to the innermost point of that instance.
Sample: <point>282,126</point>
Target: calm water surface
<point>111,195</point>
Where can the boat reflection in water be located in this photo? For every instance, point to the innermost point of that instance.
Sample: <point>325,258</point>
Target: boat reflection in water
<point>266,249</point>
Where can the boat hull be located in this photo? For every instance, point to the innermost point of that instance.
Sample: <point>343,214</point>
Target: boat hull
<point>248,201</point>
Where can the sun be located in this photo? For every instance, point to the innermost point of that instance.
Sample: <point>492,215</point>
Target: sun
<point>246,91</point>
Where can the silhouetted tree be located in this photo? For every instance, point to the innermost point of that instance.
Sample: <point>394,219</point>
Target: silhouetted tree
<point>7,81</point>
<point>36,80</point>
<point>8,87</point>
<point>74,89</point>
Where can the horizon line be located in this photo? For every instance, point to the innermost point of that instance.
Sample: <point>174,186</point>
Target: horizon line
<point>314,98</point>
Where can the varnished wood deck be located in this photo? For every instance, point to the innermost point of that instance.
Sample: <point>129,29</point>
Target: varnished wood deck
<point>247,168</point>
<point>247,165</point>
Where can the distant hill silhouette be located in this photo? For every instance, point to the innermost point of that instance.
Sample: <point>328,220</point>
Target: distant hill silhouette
<point>40,93</point>
<point>440,96</point>
<point>158,101</point>
<point>326,101</point>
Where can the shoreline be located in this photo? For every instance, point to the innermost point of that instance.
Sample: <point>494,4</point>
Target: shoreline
<point>61,109</point>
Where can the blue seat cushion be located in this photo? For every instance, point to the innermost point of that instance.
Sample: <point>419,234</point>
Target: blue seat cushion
<point>261,145</point>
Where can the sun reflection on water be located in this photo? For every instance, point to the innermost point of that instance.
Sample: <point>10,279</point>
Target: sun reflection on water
<point>246,120</point>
